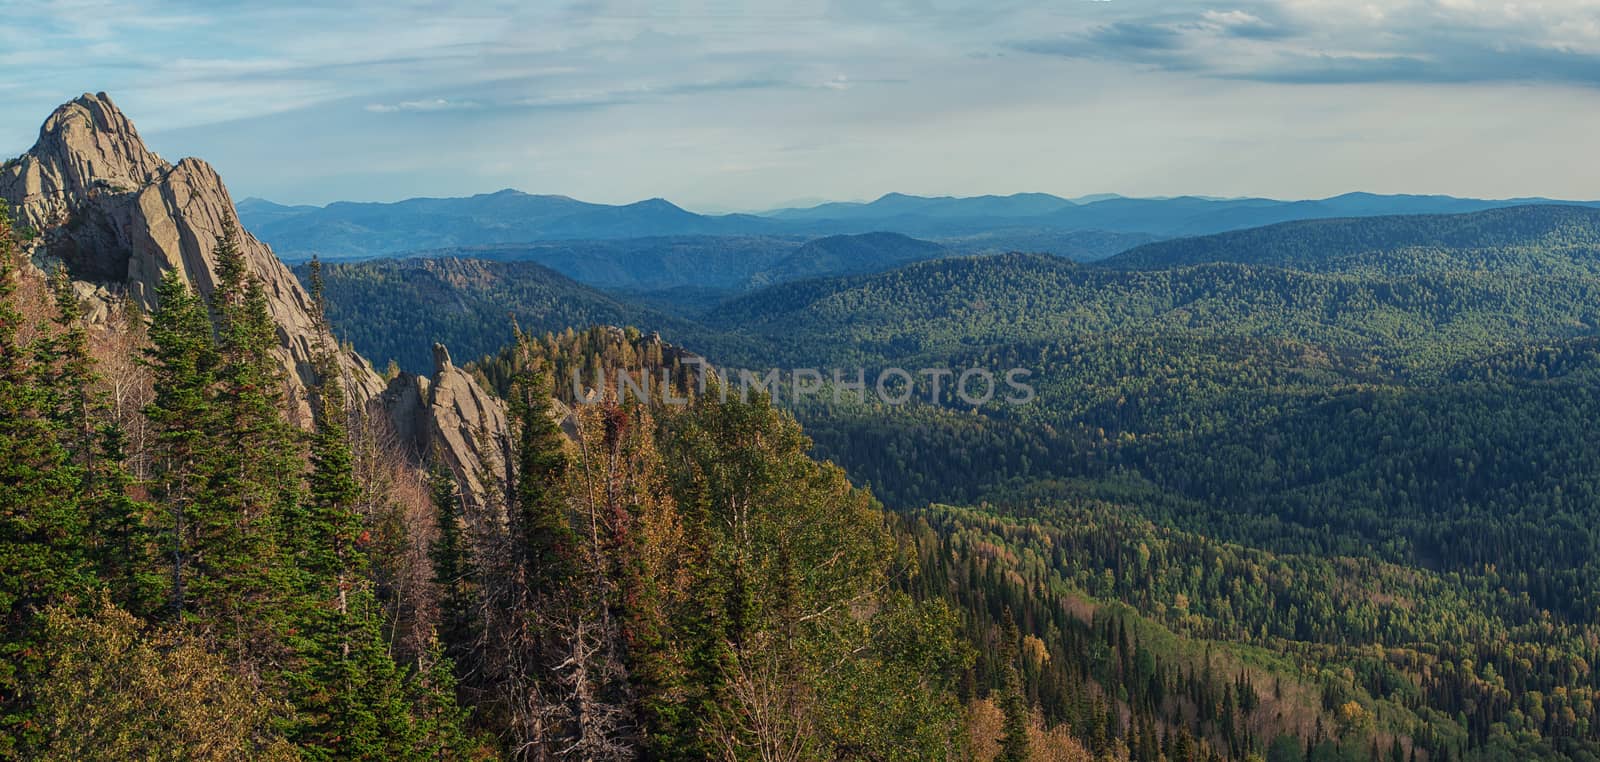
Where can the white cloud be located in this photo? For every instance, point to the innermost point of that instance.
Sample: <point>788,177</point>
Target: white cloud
<point>431,104</point>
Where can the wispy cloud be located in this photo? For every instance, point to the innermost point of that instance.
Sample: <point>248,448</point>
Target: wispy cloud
<point>1323,42</point>
<point>621,98</point>
<point>432,104</point>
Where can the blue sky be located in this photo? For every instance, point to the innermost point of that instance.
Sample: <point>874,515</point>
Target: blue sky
<point>719,104</point>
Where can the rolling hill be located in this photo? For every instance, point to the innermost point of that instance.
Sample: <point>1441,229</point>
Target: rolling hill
<point>1540,236</point>
<point>394,309</point>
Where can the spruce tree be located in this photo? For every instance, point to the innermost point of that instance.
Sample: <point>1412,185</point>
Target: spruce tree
<point>1013,705</point>
<point>545,538</point>
<point>184,361</point>
<point>347,687</point>
<point>441,721</point>
<point>115,538</point>
<point>41,523</point>
<point>453,572</point>
<point>256,478</point>
<point>70,375</point>
<point>119,536</point>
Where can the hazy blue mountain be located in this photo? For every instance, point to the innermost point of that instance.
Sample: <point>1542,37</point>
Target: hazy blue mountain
<point>347,230</point>
<point>361,230</point>
<point>898,204</point>
<point>261,211</point>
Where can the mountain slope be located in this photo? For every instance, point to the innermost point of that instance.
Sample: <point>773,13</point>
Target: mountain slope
<point>1541,235</point>
<point>721,263</point>
<point>396,309</point>
<point>848,254</point>
<point>1420,320</point>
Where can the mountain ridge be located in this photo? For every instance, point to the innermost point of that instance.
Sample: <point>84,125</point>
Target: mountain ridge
<point>361,230</point>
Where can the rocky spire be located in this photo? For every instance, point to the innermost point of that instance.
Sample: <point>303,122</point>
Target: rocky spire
<point>118,216</point>
<point>86,147</point>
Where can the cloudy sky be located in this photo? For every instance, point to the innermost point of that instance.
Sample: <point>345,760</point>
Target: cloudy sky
<point>748,104</point>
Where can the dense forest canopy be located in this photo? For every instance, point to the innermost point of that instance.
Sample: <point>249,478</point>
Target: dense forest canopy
<point>188,575</point>
<point>1320,490</point>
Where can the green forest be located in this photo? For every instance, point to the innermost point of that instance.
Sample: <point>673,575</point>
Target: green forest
<point>1324,490</point>
<point>1319,492</point>
<point>196,578</point>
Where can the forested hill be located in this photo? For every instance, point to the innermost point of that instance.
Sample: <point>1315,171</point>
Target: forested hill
<point>846,254</point>
<point>395,309</point>
<point>934,309</point>
<point>1552,232</point>
<point>1317,491</point>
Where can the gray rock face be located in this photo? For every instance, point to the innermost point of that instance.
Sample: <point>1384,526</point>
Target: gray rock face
<point>451,416</point>
<point>118,217</point>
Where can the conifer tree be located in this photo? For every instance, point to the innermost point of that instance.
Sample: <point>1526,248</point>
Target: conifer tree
<point>348,688</point>
<point>41,523</point>
<point>72,376</point>
<point>441,721</point>
<point>453,572</point>
<point>544,535</point>
<point>115,538</point>
<point>256,478</point>
<point>184,360</point>
<point>119,536</point>
<point>1013,705</point>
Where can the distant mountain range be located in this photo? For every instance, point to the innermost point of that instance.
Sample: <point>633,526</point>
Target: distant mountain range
<point>1479,277</point>
<point>346,230</point>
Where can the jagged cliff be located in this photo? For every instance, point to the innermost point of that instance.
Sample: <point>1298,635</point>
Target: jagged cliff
<point>451,417</point>
<point>118,216</point>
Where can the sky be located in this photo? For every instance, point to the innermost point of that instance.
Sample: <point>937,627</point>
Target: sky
<point>724,105</point>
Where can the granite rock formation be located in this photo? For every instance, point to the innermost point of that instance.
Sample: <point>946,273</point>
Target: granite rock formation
<point>118,217</point>
<point>451,417</point>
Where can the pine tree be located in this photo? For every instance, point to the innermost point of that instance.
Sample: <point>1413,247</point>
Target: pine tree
<point>41,523</point>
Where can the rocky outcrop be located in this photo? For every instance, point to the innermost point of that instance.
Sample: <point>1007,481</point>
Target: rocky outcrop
<point>119,217</point>
<point>451,417</point>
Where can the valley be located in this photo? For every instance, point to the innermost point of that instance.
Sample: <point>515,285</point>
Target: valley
<point>1351,455</point>
<point>1302,481</point>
